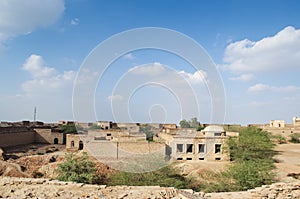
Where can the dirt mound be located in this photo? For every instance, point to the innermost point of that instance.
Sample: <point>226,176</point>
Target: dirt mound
<point>32,164</point>
<point>11,169</point>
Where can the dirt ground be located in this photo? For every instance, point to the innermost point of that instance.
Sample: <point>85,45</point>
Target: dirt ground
<point>193,169</point>
<point>288,158</point>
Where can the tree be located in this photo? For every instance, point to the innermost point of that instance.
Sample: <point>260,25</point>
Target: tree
<point>147,129</point>
<point>77,169</point>
<point>192,123</point>
<point>68,128</point>
<point>184,124</point>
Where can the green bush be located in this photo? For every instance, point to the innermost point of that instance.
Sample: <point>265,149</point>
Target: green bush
<point>95,127</point>
<point>252,144</point>
<point>295,138</point>
<point>252,154</point>
<point>77,169</point>
<point>68,128</point>
<point>279,139</point>
<point>165,177</point>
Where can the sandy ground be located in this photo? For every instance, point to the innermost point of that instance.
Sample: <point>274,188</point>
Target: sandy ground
<point>289,160</point>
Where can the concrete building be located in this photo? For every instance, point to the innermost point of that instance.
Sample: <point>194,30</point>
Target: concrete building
<point>104,124</point>
<point>205,145</point>
<point>131,127</point>
<point>277,123</point>
<point>296,121</point>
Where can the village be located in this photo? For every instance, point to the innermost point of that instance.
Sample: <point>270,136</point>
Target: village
<point>35,149</point>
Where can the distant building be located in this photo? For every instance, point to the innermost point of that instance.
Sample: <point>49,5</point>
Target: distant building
<point>277,123</point>
<point>296,121</point>
<point>192,145</point>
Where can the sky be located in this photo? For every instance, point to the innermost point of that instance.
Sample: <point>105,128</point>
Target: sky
<point>254,46</point>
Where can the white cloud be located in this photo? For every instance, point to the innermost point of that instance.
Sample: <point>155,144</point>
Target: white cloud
<point>160,71</point>
<point>74,22</point>
<point>47,89</point>
<point>182,94</point>
<point>264,87</point>
<point>194,78</point>
<point>114,97</point>
<point>23,17</point>
<point>44,78</point>
<point>129,56</point>
<point>278,52</point>
<point>152,69</point>
<point>243,77</point>
<point>35,65</point>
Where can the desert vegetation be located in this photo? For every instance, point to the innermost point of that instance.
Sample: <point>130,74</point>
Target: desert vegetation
<point>252,165</point>
<point>295,138</point>
<point>77,169</point>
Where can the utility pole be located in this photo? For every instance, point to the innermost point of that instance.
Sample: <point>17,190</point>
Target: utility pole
<point>34,114</point>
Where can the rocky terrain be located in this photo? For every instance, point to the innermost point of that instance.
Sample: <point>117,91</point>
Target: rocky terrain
<point>44,188</point>
<point>34,161</point>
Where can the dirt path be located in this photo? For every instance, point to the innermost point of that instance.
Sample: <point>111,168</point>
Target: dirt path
<point>289,160</point>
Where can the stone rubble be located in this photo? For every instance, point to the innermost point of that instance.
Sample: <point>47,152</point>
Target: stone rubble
<point>18,188</point>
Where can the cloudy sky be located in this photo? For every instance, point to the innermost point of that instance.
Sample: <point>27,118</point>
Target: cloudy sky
<point>44,45</point>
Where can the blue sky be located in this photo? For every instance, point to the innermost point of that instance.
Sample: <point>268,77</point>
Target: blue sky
<point>254,44</point>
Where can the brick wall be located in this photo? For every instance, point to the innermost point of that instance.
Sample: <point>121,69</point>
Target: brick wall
<point>17,138</point>
<point>48,137</point>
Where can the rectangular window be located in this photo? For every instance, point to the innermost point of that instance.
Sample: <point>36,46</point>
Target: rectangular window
<point>201,158</point>
<point>217,148</point>
<point>218,134</point>
<point>201,148</point>
<point>218,159</point>
<point>189,158</point>
<point>179,158</point>
<point>189,148</point>
<point>179,148</point>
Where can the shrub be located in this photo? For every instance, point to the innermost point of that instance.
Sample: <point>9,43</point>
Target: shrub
<point>68,128</point>
<point>95,126</point>
<point>279,139</point>
<point>295,138</point>
<point>165,177</point>
<point>77,169</point>
<point>252,153</point>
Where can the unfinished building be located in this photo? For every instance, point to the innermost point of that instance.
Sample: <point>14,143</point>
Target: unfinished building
<point>205,145</point>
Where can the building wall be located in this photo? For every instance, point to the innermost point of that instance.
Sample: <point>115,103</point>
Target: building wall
<point>208,154</point>
<point>141,147</point>
<point>131,127</point>
<point>170,126</point>
<point>105,149</point>
<point>73,140</point>
<point>44,135</point>
<point>277,123</point>
<point>16,138</point>
<point>296,121</point>
<point>105,124</point>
